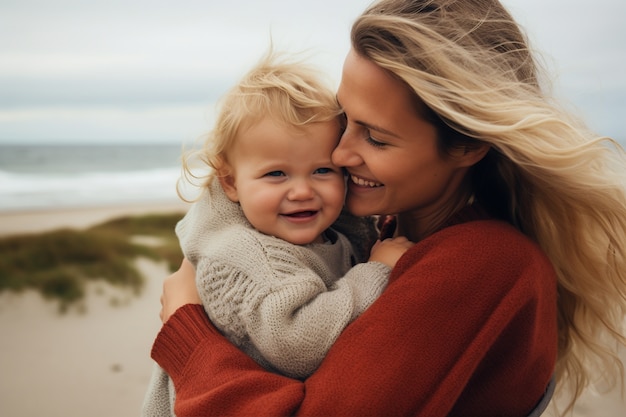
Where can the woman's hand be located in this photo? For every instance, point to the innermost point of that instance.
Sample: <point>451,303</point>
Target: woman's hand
<point>179,289</point>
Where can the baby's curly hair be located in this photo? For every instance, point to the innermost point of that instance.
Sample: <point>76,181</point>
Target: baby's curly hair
<point>289,91</point>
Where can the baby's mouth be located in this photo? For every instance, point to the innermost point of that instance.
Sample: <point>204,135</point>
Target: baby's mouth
<point>301,214</point>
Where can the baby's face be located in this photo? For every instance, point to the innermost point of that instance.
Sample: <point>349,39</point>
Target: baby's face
<point>285,181</point>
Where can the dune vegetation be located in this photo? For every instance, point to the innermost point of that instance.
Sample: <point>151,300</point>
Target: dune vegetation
<point>59,263</point>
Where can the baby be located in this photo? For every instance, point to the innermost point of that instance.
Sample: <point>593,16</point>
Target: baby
<point>280,269</point>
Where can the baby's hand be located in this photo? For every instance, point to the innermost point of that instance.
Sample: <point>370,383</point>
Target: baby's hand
<point>388,251</point>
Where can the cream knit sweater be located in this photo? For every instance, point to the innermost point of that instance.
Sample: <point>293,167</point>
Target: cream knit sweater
<point>281,303</point>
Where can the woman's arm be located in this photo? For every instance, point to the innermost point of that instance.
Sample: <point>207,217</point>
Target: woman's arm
<point>189,345</point>
<point>188,341</point>
<point>462,328</point>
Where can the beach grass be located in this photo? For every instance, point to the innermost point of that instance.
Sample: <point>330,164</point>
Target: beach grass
<point>60,263</point>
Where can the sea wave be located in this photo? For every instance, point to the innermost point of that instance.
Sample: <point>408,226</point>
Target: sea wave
<point>40,191</point>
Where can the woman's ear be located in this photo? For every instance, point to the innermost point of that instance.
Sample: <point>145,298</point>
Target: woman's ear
<point>472,155</point>
<point>227,181</point>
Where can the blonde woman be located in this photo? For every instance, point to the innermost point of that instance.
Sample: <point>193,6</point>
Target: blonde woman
<point>518,276</point>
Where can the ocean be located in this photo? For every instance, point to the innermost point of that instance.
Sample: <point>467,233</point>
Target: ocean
<point>41,177</point>
<point>37,177</point>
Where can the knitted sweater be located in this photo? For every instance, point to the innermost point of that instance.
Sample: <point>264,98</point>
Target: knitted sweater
<point>282,304</point>
<point>466,326</point>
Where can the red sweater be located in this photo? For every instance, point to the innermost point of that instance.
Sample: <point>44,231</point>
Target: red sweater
<point>467,327</point>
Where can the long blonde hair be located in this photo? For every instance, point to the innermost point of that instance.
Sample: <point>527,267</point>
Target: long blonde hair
<point>289,91</point>
<point>545,173</point>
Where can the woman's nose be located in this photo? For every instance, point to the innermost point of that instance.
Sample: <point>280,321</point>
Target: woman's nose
<point>344,154</point>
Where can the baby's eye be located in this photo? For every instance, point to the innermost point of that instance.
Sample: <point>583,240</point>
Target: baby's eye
<point>323,170</point>
<point>275,174</point>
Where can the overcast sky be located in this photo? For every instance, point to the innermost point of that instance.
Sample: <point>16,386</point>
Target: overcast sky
<point>150,70</point>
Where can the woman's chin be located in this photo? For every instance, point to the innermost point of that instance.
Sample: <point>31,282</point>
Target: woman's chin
<point>360,208</point>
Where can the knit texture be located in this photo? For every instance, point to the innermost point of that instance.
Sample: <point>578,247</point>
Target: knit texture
<point>466,327</point>
<point>282,304</point>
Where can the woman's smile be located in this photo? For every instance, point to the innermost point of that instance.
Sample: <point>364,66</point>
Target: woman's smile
<point>364,182</point>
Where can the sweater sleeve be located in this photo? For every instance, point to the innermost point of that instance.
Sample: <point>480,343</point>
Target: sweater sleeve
<point>467,326</point>
<point>294,327</point>
<point>271,301</point>
<point>188,346</point>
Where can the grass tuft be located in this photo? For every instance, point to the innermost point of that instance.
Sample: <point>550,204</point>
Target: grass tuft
<point>59,263</point>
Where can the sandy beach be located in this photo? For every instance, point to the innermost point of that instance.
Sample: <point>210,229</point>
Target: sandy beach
<point>94,360</point>
<point>35,221</point>
<point>94,363</point>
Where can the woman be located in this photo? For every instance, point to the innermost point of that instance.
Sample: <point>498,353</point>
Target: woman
<point>518,212</point>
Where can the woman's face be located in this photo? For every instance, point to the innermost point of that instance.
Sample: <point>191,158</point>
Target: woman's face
<point>389,149</point>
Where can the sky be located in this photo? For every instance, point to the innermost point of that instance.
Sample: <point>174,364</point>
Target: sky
<point>150,71</point>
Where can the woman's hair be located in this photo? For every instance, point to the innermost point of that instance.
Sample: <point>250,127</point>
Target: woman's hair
<point>290,92</point>
<point>545,172</point>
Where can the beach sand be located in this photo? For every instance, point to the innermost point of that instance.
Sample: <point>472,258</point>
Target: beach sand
<point>36,221</point>
<point>91,364</point>
<point>96,362</point>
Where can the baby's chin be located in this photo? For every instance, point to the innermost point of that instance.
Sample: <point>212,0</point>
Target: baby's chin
<point>304,240</point>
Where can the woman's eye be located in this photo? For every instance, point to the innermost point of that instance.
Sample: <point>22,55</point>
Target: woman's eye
<point>275,174</point>
<point>374,142</point>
